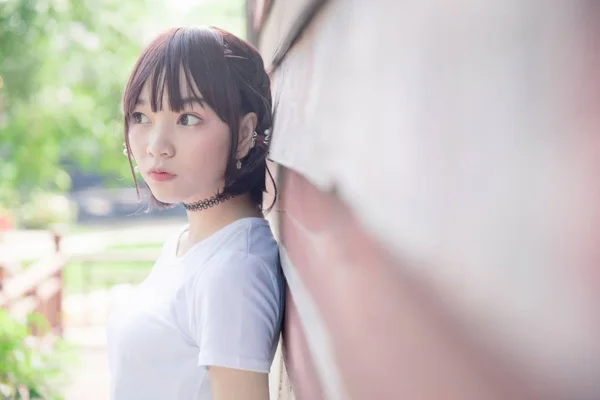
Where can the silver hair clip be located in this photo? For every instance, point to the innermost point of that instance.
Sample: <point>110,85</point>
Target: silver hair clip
<point>264,140</point>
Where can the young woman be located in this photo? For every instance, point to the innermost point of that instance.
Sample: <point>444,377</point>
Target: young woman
<point>205,323</point>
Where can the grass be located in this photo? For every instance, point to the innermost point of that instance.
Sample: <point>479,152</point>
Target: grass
<point>79,228</point>
<point>134,246</point>
<point>79,277</point>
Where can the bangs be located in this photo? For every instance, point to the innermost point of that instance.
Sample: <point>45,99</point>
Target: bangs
<point>185,64</point>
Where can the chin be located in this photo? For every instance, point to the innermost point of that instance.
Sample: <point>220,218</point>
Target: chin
<point>169,198</point>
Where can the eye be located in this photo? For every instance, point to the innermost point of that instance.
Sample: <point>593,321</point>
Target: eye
<point>139,118</point>
<point>189,120</point>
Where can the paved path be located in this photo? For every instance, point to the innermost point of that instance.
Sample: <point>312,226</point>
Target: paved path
<point>85,327</point>
<point>90,378</point>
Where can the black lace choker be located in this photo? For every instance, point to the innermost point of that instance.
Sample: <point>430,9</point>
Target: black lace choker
<point>207,203</point>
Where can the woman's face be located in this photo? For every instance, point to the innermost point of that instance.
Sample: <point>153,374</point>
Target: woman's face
<point>182,156</point>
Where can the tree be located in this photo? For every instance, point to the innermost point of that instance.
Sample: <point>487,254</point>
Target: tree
<point>63,65</point>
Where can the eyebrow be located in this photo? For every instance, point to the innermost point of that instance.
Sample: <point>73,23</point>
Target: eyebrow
<point>184,101</point>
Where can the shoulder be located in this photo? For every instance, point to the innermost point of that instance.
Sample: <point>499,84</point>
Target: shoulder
<point>252,236</point>
<point>250,246</point>
<point>230,268</point>
<point>247,255</point>
<point>240,287</point>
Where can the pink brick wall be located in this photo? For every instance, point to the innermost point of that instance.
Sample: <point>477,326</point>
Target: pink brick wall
<point>464,139</point>
<point>389,338</point>
<point>298,361</point>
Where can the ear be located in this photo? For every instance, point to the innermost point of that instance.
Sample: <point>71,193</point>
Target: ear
<point>247,127</point>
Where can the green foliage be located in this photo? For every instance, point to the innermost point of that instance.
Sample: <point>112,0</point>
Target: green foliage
<point>63,66</point>
<point>28,364</point>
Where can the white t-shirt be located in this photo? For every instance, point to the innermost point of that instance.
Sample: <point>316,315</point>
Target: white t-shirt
<point>220,304</point>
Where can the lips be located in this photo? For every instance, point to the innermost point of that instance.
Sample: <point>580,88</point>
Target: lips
<point>161,175</point>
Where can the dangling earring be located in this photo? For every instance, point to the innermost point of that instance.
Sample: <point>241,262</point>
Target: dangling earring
<point>254,137</point>
<point>238,164</point>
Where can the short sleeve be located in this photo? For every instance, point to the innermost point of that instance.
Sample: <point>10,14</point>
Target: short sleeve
<point>235,315</point>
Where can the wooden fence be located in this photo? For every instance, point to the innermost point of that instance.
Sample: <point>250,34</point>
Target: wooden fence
<point>38,288</point>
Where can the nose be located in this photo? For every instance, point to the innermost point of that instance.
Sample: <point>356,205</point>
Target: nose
<point>159,143</point>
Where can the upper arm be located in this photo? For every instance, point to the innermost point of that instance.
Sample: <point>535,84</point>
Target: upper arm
<point>236,315</point>
<point>235,384</point>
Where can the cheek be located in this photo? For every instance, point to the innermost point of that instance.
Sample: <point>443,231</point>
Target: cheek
<point>137,142</point>
<point>209,153</point>
<point>212,155</point>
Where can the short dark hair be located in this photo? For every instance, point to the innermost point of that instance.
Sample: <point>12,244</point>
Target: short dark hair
<point>230,74</point>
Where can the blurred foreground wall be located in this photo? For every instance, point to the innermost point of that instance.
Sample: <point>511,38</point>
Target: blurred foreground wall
<point>438,164</point>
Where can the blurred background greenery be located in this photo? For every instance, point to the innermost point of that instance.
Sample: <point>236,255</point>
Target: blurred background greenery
<point>63,65</point>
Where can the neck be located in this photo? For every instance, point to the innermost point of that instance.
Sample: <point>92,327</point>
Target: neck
<point>204,223</point>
